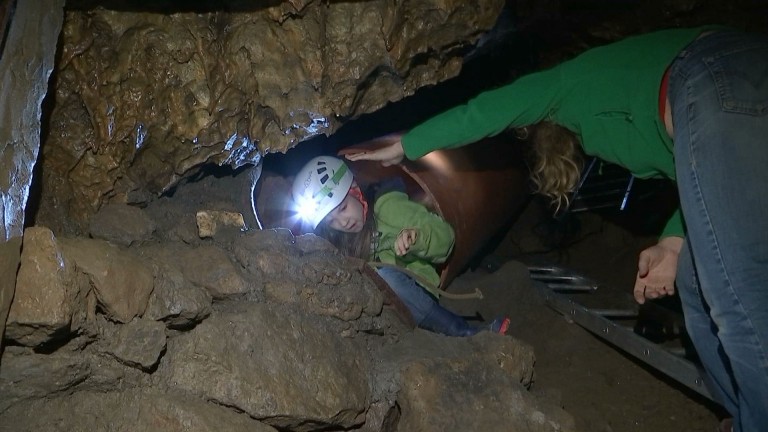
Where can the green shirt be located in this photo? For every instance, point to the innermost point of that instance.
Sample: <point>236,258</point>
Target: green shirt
<point>394,211</point>
<point>608,96</point>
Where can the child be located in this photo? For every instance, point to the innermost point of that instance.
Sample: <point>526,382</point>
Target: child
<point>400,233</point>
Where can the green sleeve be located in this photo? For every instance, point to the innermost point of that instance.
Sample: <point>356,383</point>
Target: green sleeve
<point>523,102</point>
<point>434,241</point>
<point>675,226</point>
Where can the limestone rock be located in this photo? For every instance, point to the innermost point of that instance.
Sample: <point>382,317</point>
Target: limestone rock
<point>439,395</point>
<point>132,410</point>
<point>207,266</point>
<point>29,34</point>
<point>211,221</point>
<point>266,251</point>
<point>281,366</point>
<point>309,272</point>
<point>138,343</point>
<point>121,281</point>
<point>121,224</point>
<point>475,383</point>
<point>176,301</point>
<point>48,303</point>
<point>338,290</point>
<point>211,268</point>
<point>310,243</point>
<point>381,416</point>
<point>26,376</point>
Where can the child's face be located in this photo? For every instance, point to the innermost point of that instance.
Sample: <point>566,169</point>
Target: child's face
<point>347,216</point>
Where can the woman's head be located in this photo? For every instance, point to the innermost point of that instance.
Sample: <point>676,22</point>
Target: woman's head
<point>557,162</point>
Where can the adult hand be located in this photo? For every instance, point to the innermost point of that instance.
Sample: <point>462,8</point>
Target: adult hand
<point>391,154</point>
<point>405,240</point>
<point>656,269</point>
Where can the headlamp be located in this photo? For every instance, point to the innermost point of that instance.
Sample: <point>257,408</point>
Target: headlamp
<point>306,208</point>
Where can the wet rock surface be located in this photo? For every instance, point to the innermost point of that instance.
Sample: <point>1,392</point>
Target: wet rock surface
<point>50,294</point>
<point>28,36</point>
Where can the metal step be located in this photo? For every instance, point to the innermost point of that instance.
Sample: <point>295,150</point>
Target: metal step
<point>564,290</point>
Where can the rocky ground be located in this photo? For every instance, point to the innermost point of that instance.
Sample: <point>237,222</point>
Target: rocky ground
<point>174,318</point>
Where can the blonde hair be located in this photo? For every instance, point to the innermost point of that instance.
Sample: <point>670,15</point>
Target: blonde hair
<point>556,162</point>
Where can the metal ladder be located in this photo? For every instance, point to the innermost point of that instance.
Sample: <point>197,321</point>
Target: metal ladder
<point>602,185</point>
<point>574,296</point>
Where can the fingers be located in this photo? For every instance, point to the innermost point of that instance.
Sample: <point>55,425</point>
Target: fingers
<point>404,241</point>
<point>376,155</point>
<point>657,292</point>
<point>411,235</point>
<point>364,155</point>
<point>643,264</point>
<point>639,292</point>
<point>670,290</point>
<point>392,154</point>
<point>644,291</point>
<point>400,246</point>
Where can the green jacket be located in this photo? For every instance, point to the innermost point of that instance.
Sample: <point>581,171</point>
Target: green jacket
<point>608,96</point>
<point>394,211</point>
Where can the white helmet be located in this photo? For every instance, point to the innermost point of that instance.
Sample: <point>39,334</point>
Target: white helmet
<point>319,187</point>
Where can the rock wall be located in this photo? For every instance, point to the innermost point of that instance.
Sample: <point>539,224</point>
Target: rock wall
<point>28,34</point>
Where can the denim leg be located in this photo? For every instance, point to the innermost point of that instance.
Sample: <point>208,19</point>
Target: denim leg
<point>719,98</point>
<point>703,331</point>
<point>426,311</point>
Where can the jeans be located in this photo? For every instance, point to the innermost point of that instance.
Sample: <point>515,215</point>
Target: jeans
<point>719,97</point>
<point>426,311</point>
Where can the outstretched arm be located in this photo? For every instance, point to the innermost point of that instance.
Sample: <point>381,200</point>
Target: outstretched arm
<point>525,101</point>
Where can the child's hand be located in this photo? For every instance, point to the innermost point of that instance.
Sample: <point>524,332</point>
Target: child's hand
<point>405,240</point>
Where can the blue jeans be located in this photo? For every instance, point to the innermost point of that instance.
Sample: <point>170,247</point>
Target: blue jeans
<point>719,97</point>
<point>426,311</point>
